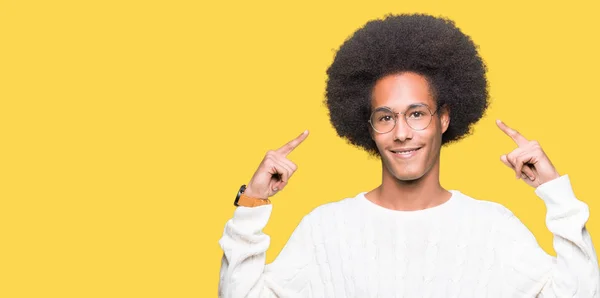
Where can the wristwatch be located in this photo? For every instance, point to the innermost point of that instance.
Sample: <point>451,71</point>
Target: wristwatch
<point>245,201</point>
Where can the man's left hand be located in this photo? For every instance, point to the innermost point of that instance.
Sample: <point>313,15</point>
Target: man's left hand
<point>528,160</point>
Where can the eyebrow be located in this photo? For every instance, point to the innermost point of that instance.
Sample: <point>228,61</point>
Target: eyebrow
<point>410,106</point>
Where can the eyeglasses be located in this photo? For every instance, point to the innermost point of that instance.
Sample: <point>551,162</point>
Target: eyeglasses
<point>418,117</point>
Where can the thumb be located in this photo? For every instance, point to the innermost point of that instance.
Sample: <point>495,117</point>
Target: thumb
<point>505,161</point>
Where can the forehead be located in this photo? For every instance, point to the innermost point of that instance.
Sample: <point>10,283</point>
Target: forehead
<point>398,91</point>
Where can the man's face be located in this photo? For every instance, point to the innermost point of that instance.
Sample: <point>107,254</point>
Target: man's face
<point>408,154</point>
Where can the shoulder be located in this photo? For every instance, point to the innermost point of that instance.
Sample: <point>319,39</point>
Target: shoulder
<point>504,225</point>
<point>486,210</point>
<point>336,209</point>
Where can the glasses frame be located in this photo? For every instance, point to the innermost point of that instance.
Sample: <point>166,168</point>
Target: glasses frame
<point>397,115</point>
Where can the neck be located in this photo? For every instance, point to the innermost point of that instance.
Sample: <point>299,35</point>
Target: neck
<point>410,195</point>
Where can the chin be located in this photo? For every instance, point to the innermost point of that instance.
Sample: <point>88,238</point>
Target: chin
<point>408,178</point>
<point>407,175</point>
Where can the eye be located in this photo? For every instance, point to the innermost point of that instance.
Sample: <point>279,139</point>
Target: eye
<point>416,114</point>
<point>385,118</point>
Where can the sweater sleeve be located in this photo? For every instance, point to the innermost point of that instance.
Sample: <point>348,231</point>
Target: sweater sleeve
<point>574,271</point>
<point>243,269</point>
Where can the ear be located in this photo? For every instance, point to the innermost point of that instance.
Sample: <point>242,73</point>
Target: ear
<point>444,117</point>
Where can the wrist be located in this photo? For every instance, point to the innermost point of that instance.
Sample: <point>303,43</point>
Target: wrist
<point>251,194</point>
<point>245,200</point>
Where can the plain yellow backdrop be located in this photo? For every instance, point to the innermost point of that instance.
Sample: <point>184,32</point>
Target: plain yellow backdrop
<point>127,127</point>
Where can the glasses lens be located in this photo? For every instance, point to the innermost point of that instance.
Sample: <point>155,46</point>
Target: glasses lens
<point>383,120</point>
<point>418,117</point>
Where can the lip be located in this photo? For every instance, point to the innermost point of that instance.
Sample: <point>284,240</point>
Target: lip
<point>413,152</point>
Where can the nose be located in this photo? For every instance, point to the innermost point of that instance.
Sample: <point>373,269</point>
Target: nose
<point>402,131</point>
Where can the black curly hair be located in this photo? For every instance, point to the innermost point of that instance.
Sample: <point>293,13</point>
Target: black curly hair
<point>430,46</point>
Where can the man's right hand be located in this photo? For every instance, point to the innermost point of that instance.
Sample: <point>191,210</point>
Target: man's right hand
<point>274,171</point>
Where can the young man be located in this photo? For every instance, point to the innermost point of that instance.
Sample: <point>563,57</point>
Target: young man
<point>401,88</point>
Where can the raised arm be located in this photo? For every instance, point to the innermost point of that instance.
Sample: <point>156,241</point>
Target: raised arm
<point>243,269</point>
<point>574,271</point>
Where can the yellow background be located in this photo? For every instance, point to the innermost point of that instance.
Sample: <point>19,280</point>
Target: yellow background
<point>127,127</point>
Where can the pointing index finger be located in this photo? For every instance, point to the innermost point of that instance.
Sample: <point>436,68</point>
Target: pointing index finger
<point>291,145</point>
<point>513,134</point>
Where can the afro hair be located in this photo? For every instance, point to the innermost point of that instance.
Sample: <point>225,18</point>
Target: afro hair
<point>430,46</point>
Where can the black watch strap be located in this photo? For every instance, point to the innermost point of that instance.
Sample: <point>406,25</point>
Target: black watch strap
<point>239,194</point>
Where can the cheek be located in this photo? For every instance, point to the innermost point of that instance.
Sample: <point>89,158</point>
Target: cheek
<point>381,139</point>
<point>435,144</point>
<point>433,139</point>
<point>435,134</point>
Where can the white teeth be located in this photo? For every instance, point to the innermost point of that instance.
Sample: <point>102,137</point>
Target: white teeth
<point>404,152</point>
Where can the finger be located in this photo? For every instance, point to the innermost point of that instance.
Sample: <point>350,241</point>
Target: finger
<point>526,170</point>
<point>274,170</point>
<point>513,134</point>
<point>278,172</point>
<point>290,146</point>
<point>284,179</point>
<point>283,172</point>
<point>504,160</point>
<point>523,166</point>
<point>517,163</point>
<point>278,186</point>
<point>292,166</point>
<point>517,158</point>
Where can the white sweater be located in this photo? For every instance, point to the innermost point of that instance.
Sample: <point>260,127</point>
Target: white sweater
<point>462,248</point>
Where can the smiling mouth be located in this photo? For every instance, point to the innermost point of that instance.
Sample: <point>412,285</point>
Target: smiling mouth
<point>405,153</point>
